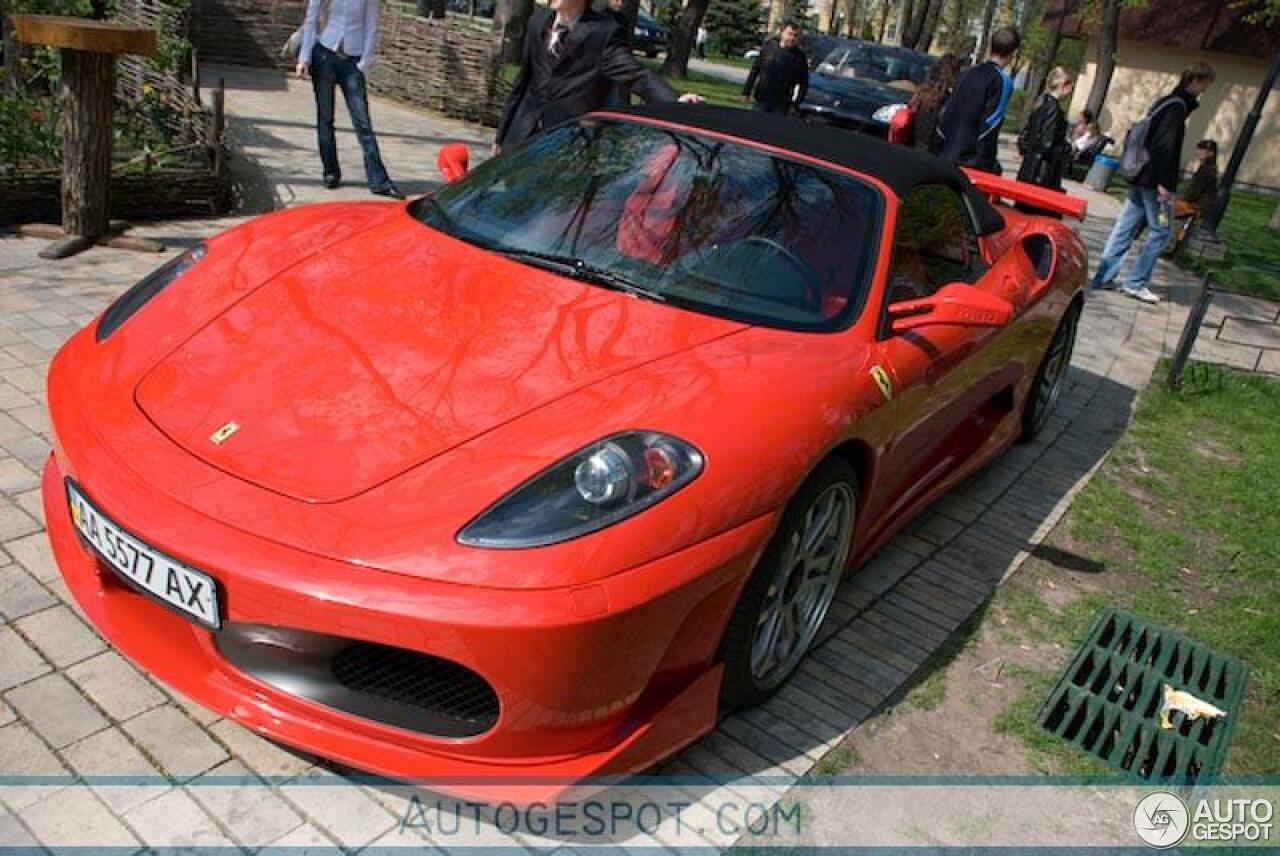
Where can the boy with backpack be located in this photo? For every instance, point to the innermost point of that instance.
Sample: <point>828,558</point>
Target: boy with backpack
<point>1151,163</point>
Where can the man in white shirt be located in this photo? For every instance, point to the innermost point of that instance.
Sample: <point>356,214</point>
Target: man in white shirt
<point>338,41</point>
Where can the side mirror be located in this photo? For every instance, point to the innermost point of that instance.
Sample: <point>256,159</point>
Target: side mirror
<point>958,304</point>
<point>453,161</point>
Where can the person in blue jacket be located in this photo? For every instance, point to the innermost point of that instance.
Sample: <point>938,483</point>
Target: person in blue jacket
<point>969,124</point>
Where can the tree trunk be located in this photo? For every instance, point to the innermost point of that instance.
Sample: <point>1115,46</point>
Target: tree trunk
<point>852,11</point>
<point>86,142</point>
<point>511,17</point>
<point>984,38</point>
<point>677,62</point>
<point>915,24</point>
<point>957,26</point>
<point>884,21</point>
<point>11,48</point>
<point>906,8</point>
<point>777,10</point>
<point>1052,41</point>
<point>929,26</point>
<point>1108,29</point>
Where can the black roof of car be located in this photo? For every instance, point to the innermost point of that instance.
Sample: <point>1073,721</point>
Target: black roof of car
<point>900,167</point>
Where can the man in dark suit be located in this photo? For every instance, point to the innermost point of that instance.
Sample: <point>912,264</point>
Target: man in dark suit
<point>573,57</point>
<point>779,78</point>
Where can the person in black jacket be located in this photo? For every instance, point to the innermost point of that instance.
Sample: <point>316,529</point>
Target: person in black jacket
<point>969,124</point>
<point>1151,193</point>
<point>573,57</point>
<point>1043,141</point>
<point>779,78</point>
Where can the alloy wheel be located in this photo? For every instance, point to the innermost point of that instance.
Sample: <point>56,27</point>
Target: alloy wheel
<point>803,587</point>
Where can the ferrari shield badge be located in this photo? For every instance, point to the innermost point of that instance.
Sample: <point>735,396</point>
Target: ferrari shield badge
<point>881,377</point>
<point>220,436</point>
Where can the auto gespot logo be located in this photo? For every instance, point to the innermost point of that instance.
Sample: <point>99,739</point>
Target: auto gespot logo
<point>1163,819</point>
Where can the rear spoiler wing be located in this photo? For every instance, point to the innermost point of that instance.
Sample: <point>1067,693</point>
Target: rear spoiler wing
<point>997,188</point>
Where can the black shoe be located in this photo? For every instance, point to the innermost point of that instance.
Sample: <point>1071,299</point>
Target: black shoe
<point>333,182</point>
<point>389,190</point>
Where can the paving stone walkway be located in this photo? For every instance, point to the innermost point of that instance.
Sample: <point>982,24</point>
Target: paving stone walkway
<point>68,704</point>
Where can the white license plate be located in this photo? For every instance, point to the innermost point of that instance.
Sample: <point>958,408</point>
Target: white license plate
<point>187,590</point>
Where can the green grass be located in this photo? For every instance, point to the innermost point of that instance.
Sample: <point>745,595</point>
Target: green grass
<point>1252,263</point>
<point>1249,240</point>
<point>1183,516</point>
<point>712,89</point>
<point>931,690</point>
<point>733,61</point>
<point>838,760</point>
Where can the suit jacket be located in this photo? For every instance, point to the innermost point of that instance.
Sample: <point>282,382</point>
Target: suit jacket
<point>593,59</point>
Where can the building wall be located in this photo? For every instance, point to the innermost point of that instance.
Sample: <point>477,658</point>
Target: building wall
<point>1145,72</point>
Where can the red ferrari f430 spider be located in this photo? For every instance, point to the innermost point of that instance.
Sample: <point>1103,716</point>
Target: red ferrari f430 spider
<point>529,476</point>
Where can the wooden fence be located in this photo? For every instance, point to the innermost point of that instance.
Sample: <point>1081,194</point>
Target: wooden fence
<point>188,177</point>
<point>452,65</point>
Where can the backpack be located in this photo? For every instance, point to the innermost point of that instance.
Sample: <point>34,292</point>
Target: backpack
<point>1135,155</point>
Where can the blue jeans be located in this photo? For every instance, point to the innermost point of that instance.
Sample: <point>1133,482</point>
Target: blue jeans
<point>1141,207</point>
<point>327,71</point>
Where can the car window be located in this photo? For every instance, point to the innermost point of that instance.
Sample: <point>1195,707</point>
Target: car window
<point>933,243</point>
<point>877,64</point>
<point>706,224</point>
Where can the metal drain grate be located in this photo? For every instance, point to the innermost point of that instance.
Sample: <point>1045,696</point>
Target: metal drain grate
<point>1107,701</point>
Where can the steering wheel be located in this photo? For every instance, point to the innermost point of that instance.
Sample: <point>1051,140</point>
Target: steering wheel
<point>812,287</point>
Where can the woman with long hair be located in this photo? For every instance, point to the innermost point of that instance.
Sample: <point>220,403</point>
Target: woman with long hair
<point>1191,207</point>
<point>1043,141</point>
<point>927,102</point>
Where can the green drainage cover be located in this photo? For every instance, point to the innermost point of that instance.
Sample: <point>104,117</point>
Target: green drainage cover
<point>1110,699</point>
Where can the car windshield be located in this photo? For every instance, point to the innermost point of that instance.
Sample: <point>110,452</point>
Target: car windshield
<point>876,63</point>
<point>709,225</point>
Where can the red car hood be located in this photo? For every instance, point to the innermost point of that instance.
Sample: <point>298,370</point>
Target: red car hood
<point>388,349</point>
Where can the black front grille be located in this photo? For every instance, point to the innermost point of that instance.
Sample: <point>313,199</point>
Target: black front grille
<point>394,686</point>
<point>417,680</point>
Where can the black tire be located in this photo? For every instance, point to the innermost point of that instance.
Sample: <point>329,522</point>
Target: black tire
<point>1053,370</point>
<point>740,686</point>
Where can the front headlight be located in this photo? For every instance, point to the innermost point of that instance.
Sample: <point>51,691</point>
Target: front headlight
<point>135,298</point>
<point>593,488</point>
<point>886,113</point>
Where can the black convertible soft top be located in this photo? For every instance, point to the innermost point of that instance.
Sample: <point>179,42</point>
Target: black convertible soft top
<point>900,167</point>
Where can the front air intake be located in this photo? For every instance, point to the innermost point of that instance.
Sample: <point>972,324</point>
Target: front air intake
<point>393,686</point>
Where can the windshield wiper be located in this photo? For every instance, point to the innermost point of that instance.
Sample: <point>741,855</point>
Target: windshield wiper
<point>582,269</point>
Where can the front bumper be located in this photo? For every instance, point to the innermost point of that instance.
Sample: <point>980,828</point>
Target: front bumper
<point>596,680</point>
<point>828,115</point>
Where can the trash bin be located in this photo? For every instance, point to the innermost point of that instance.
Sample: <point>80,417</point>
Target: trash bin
<point>1100,173</point>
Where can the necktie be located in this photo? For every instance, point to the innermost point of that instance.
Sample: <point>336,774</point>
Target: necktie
<point>558,33</point>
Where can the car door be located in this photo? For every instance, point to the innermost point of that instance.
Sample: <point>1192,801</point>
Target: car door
<point>940,381</point>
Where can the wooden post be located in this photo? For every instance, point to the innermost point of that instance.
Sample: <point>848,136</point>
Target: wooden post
<point>88,49</point>
<point>86,142</point>
<point>219,124</point>
<point>1189,332</point>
